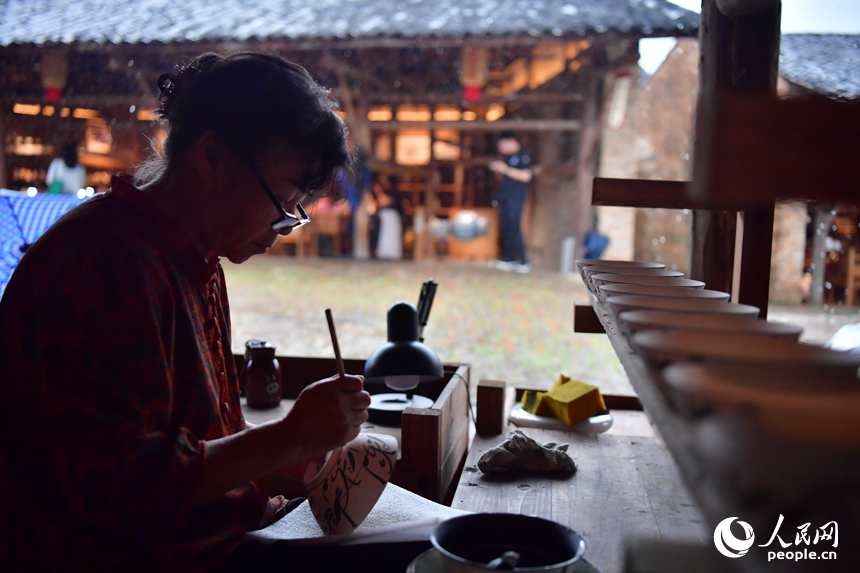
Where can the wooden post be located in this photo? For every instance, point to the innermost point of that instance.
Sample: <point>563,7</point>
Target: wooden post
<point>756,251</point>
<point>713,250</point>
<point>491,407</point>
<point>585,319</point>
<point>425,247</point>
<point>822,218</point>
<point>588,146</point>
<point>738,55</point>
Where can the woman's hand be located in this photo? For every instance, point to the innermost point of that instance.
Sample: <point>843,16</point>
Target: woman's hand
<point>328,414</point>
<point>297,471</point>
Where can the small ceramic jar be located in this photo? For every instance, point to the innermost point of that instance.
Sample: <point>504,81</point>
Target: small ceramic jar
<point>262,376</point>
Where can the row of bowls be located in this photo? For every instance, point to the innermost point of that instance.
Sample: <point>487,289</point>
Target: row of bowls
<point>749,386</point>
<point>652,298</point>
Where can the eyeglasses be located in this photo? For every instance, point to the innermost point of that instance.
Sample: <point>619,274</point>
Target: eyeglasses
<point>287,220</point>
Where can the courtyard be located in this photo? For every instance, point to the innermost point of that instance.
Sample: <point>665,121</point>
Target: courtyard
<point>507,326</point>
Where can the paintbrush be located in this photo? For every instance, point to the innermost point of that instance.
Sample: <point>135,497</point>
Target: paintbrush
<point>340,370</point>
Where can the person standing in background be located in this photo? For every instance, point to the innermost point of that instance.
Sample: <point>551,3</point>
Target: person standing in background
<point>390,212</point>
<point>66,174</point>
<point>359,203</point>
<point>516,171</point>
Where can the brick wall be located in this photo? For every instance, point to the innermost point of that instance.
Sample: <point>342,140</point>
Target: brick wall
<point>652,139</point>
<point>789,244</point>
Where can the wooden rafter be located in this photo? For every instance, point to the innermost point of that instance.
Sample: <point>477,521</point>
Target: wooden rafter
<point>483,125</point>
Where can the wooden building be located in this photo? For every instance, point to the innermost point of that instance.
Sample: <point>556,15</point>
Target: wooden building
<point>651,137</point>
<point>826,65</point>
<point>426,86</point>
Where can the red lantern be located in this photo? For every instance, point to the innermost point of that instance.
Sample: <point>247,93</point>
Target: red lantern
<point>474,72</point>
<point>54,75</point>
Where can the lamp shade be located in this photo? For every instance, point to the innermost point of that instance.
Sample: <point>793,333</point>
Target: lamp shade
<point>403,362</point>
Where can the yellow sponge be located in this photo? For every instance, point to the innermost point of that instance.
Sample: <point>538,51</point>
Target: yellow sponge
<point>574,401</point>
<point>535,403</point>
<point>561,380</point>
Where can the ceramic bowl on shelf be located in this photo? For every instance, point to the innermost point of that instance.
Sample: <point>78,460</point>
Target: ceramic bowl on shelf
<point>623,303</point>
<point>580,263</point>
<point>660,347</point>
<point>610,290</point>
<point>705,388</point>
<point>589,271</point>
<point>344,487</point>
<point>634,321</point>
<point>807,459</point>
<point>596,281</point>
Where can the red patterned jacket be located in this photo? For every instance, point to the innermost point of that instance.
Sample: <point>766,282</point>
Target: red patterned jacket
<point>115,369</point>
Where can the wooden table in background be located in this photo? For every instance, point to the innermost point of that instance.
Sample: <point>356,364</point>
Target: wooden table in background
<point>626,486</point>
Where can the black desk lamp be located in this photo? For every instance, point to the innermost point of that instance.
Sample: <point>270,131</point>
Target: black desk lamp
<point>402,364</point>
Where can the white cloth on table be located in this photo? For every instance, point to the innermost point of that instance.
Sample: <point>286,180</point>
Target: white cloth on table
<point>399,515</point>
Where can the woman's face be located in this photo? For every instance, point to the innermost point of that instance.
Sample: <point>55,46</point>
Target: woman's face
<point>244,228</point>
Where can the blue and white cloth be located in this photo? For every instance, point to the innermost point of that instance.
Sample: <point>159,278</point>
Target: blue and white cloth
<point>23,219</point>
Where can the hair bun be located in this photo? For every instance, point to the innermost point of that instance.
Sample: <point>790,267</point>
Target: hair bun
<point>166,84</point>
<point>170,83</point>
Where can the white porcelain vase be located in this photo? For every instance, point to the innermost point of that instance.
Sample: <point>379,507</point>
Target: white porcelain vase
<point>344,487</point>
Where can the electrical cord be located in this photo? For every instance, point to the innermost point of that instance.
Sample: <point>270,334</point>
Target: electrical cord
<point>468,398</point>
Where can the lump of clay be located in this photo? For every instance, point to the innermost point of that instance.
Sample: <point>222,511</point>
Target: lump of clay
<point>522,452</point>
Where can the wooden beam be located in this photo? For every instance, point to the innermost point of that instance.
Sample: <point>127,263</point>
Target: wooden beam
<point>315,44</point>
<point>754,150</point>
<point>482,125</point>
<point>622,402</point>
<point>95,101</point>
<point>738,55</point>
<point>734,8</point>
<point>312,44</point>
<point>457,98</point>
<point>584,319</point>
<point>330,60</point>
<point>589,144</point>
<point>644,193</point>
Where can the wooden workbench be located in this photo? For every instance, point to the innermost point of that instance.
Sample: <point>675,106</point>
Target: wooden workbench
<point>720,493</point>
<point>626,486</point>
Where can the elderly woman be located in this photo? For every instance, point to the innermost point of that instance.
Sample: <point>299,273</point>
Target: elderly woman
<point>123,443</point>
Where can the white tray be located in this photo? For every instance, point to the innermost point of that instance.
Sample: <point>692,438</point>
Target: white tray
<point>594,425</point>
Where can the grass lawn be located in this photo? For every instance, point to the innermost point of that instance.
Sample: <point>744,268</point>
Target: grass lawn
<point>508,326</point>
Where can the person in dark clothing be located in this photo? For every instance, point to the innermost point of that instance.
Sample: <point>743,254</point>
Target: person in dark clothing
<point>516,171</point>
<point>124,447</point>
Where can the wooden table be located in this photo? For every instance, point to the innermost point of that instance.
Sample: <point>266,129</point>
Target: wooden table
<point>626,486</point>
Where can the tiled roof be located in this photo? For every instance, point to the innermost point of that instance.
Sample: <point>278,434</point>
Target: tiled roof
<point>145,21</point>
<point>826,64</point>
